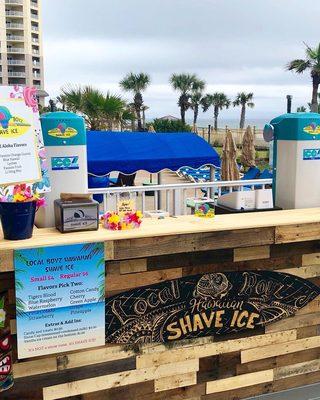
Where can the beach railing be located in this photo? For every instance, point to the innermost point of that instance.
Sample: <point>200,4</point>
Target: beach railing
<point>173,196</point>
<point>217,137</point>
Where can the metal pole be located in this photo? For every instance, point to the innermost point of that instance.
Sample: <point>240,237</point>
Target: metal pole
<point>289,103</point>
<point>159,193</point>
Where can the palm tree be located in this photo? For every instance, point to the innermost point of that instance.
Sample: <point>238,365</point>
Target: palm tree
<point>244,100</point>
<point>136,83</point>
<point>218,101</point>
<point>311,63</point>
<point>196,99</point>
<point>185,84</point>
<point>98,110</point>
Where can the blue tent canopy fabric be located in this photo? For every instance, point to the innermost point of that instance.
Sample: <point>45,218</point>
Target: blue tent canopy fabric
<point>129,152</point>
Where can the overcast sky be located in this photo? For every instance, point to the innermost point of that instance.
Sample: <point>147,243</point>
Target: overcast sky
<point>235,45</point>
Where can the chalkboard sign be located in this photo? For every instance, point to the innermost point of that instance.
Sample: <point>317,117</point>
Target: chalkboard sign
<point>205,305</point>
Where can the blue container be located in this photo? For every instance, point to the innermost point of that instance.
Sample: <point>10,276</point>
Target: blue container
<point>17,219</point>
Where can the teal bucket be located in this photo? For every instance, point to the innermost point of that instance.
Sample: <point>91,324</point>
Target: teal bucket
<point>17,219</point>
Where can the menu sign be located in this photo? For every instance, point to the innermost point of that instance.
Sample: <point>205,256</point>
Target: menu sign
<point>205,305</point>
<point>60,298</point>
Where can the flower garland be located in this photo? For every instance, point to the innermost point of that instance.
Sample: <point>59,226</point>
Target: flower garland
<point>22,194</point>
<point>119,221</point>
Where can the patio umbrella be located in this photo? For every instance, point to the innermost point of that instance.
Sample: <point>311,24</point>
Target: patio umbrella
<point>229,167</point>
<point>248,154</point>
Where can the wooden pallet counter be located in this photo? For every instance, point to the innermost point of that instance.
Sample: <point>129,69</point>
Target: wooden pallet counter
<point>279,356</point>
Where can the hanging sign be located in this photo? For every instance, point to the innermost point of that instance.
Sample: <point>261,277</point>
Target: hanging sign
<point>59,298</point>
<point>205,305</point>
<point>22,153</point>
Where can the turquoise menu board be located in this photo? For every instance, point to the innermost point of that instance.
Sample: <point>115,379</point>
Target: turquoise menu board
<point>60,298</point>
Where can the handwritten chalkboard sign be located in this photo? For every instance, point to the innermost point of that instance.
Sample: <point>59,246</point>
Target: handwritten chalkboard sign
<point>205,305</point>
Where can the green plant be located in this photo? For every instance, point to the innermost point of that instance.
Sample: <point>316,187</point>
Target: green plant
<point>218,101</point>
<point>136,83</point>
<point>164,125</point>
<point>311,63</point>
<point>243,100</point>
<point>186,84</point>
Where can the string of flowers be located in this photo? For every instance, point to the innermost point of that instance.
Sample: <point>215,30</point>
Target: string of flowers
<point>20,194</point>
<point>119,221</point>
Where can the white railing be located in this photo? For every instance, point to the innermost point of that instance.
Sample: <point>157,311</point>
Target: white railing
<point>15,50</point>
<point>16,62</point>
<point>173,195</point>
<point>12,25</point>
<point>12,74</point>
<point>10,13</point>
<point>15,37</point>
<point>13,2</point>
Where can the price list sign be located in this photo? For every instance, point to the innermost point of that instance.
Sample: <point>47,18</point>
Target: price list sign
<point>60,298</point>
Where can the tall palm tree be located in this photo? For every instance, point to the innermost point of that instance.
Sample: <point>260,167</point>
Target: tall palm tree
<point>311,63</point>
<point>302,109</point>
<point>112,108</point>
<point>196,99</point>
<point>218,101</point>
<point>243,100</point>
<point>136,83</point>
<point>185,84</point>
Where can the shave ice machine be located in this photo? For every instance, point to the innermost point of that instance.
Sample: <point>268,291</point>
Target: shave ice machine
<point>296,159</point>
<point>64,135</point>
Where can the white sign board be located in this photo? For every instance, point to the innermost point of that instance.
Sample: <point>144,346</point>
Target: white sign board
<point>20,138</point>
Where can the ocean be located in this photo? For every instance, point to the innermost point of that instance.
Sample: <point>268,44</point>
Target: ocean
<point>231,123</point>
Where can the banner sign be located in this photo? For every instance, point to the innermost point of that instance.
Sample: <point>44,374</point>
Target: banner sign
<point>22,153</point>
<point>60,294</point>
<point>205,305</point>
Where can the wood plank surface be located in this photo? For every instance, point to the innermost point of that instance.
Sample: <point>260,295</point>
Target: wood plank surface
<point>279,349</point>
<point>297,321</point>
<point>119,379</point>
<point>251,253</point>
<point>297,233</point>
<point>179,226</point>
<point>175,381</point>
<point>240,381</point>
<point>210,349</point>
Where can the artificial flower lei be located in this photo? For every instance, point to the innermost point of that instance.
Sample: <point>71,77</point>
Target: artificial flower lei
<point>121,221</point>
<point>22,193</point>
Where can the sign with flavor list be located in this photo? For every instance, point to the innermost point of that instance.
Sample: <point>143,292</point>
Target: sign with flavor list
<point>205,305</point>
<point>22,152</point>
<point>59,298</point>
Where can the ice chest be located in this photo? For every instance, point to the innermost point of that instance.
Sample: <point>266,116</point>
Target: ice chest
<point>76,215</point>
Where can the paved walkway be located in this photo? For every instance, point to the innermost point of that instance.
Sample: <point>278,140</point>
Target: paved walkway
<point>311,392</point>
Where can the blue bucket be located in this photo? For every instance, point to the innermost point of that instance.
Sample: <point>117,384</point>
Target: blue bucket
<point>17,219</point>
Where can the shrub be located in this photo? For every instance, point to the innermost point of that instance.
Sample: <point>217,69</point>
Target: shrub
<point>165,125</point>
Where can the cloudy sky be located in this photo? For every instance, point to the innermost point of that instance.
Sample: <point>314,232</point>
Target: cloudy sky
<point>235,45</point>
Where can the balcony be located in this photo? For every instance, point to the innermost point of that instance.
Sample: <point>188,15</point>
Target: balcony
<point>34,28</point>
<point>35,41</point>
<point>16,62</point>
<point>15,38</point>
<point>12,74</point>
<point>10,13</point>
<point>19,50</point>
<point>34,16</point>
<point>19,2</point>
<point>14,26</point>
<point>34,4</point>
<point>37,52</point>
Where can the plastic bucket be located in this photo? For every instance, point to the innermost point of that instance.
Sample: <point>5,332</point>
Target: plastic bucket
<point>17,219</point>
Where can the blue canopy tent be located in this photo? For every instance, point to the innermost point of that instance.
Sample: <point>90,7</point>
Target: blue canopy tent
<point>129,152</point>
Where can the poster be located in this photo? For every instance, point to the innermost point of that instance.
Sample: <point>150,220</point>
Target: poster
<point>205,305</point>
<point>60,294</point>
<point>22,152</point>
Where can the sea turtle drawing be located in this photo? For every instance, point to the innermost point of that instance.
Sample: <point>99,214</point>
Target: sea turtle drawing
<point>5,116</point>
<point>212,286</point>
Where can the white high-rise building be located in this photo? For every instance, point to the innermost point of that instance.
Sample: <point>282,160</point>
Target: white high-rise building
<point>21,60</point>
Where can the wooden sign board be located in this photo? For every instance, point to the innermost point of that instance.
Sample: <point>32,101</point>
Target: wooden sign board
<point>205,305</point>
